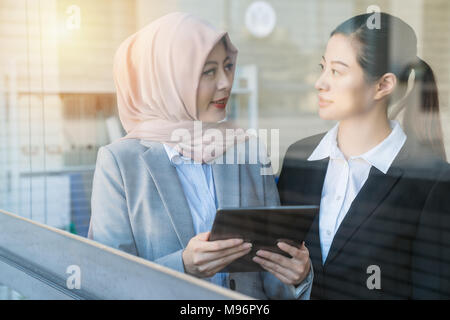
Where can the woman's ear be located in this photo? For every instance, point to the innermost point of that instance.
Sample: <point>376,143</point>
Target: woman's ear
<point>385,86</point>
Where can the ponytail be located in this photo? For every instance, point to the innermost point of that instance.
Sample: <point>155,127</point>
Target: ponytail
<point>421,119</point>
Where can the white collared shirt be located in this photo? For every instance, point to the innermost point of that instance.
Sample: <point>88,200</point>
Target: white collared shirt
<point>345,178</point>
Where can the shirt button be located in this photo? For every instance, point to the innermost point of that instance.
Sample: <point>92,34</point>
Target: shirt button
<point>328,232</point>
<point>232,284</point>
<point>338,198</point>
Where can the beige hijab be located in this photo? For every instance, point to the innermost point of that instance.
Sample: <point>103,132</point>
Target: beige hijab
<point>157,72</point>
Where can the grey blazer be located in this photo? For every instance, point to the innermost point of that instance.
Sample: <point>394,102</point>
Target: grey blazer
<point>138,206</point>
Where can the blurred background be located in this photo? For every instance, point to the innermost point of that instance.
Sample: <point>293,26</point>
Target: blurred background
<point>57,97</point>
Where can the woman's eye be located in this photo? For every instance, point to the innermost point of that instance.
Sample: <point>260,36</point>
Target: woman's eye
<point>334,72</point>
<point>209,72</point>
<point>229,66</point>
<point>321,66</point>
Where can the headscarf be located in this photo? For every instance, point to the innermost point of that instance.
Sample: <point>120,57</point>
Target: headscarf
<point>157,73</point>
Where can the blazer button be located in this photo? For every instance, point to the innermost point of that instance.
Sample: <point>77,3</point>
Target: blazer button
<point>232,284</point>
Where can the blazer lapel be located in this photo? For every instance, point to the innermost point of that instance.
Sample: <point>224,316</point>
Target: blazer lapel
<point>314,180</point>
<point>170,190</point>
<point>226,182</point>
<point>374,191</point>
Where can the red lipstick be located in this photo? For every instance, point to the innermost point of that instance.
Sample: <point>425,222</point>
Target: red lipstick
<point>221,103</point>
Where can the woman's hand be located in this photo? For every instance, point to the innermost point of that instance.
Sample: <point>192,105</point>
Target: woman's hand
<point>203,258</point>
<point>291,271</point>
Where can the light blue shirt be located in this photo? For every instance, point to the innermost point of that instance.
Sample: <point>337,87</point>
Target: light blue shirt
<point>197,182</point>
<point>345,178</point>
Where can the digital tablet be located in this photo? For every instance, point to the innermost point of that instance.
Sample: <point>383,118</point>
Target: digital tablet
<point>264,227</point>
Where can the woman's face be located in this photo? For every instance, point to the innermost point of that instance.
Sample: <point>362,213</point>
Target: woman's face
<point>343,91</point>
<point>215,85</point>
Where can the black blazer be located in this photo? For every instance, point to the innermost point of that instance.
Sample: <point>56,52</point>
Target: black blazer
<point>399,222</point>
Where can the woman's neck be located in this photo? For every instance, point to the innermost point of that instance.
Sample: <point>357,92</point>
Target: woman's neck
<point>358,135</point>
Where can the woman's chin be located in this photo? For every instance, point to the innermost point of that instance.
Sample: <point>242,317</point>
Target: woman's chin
<point>325,114</point>
<point>213,118</point>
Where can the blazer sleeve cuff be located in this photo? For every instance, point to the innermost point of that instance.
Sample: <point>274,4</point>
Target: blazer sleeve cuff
<point>172,261</point>
<point>303,290</point>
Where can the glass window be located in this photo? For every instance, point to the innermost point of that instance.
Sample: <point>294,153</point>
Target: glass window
<point>58,102</point>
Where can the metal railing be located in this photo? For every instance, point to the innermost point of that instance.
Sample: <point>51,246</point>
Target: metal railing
<point>41,262</point>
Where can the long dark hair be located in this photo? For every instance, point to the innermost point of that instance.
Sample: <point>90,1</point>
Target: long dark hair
<point>391,47</point>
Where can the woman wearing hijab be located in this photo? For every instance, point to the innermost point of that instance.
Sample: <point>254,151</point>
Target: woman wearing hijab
<point>155,196</point>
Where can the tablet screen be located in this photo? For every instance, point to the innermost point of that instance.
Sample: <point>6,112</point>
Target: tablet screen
<point>263,227</point>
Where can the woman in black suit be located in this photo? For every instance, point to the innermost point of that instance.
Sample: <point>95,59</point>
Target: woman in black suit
<point>383,231</point>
